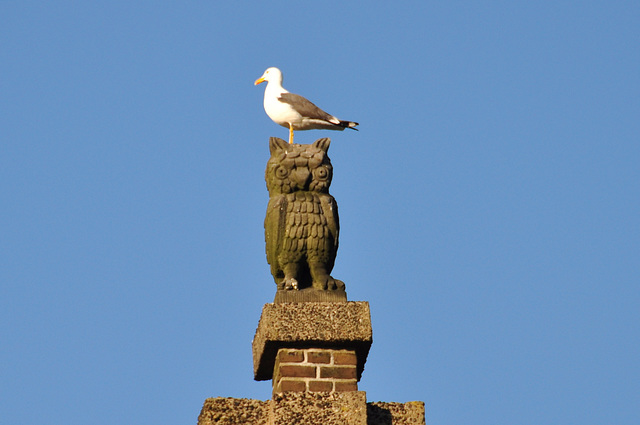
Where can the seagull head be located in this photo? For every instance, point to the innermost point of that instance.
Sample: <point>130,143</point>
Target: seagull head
<point>270,75</point>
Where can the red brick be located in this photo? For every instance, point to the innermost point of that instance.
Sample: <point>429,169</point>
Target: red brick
<point>345,358</point>
<point>292,385</point>
<point>290,356</point>
<point>298,371</point>
<point>342,386</point>
<point>320,386</point>
<point>319,357</point>
<point>338,372</point>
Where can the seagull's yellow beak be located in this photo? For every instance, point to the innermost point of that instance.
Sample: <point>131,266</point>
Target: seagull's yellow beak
<point>258,81</point>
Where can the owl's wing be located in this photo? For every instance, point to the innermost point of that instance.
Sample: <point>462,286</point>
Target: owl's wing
<point>330,209</point>
<point>273,229</point>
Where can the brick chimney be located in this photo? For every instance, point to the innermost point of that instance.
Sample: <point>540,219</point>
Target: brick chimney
<point>315,370</point>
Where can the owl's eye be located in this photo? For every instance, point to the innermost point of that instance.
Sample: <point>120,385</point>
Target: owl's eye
<point>281,172</point>
<point>321,173</point>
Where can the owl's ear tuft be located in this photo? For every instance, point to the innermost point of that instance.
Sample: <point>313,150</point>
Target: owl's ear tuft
<point>276,144</point>
<point>322,144</point>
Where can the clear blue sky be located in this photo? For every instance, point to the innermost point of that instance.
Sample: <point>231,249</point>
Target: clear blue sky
<point>490,204</point>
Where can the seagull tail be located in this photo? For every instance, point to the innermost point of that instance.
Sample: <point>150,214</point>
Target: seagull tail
<point>349,124</point>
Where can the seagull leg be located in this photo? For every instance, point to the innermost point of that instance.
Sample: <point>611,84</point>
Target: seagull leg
<point>290,134</point>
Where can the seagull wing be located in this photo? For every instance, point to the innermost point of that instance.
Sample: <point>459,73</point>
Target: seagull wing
<point>306,108</point>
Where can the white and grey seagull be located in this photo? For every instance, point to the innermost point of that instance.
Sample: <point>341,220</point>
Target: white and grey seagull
<point>294,111</point>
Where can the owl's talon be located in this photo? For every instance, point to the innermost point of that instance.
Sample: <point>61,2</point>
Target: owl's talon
<point>290,284</point>
<point>328,283</point>
<point>323,284</point>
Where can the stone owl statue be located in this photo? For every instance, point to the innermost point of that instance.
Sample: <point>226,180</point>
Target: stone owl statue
<point>301,226</point>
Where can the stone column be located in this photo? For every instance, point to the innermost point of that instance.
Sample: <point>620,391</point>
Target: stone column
<point>315,354</point>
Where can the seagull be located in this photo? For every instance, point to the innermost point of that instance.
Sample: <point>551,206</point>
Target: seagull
<point>294,111</point>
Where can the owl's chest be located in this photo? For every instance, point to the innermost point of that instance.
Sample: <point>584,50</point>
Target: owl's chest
<point>304,215</point>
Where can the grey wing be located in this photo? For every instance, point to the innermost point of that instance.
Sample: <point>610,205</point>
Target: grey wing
<point>306,108</point>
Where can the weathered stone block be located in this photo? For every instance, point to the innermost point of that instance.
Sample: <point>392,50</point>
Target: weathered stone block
<point>348,408</point>
<point>316,408</point>
<point>234,411</point>
<point>380,413</point>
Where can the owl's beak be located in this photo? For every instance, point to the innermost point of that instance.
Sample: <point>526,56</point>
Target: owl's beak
<point>258,81</point>
<point>301,177</point>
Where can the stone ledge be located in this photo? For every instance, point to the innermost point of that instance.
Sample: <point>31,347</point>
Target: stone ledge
<point>381,413</point>
<point>227,410</point>
<point>320,408</point>
<point>309,295</point>
<point>311,325</point>
<point>350,408</point>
